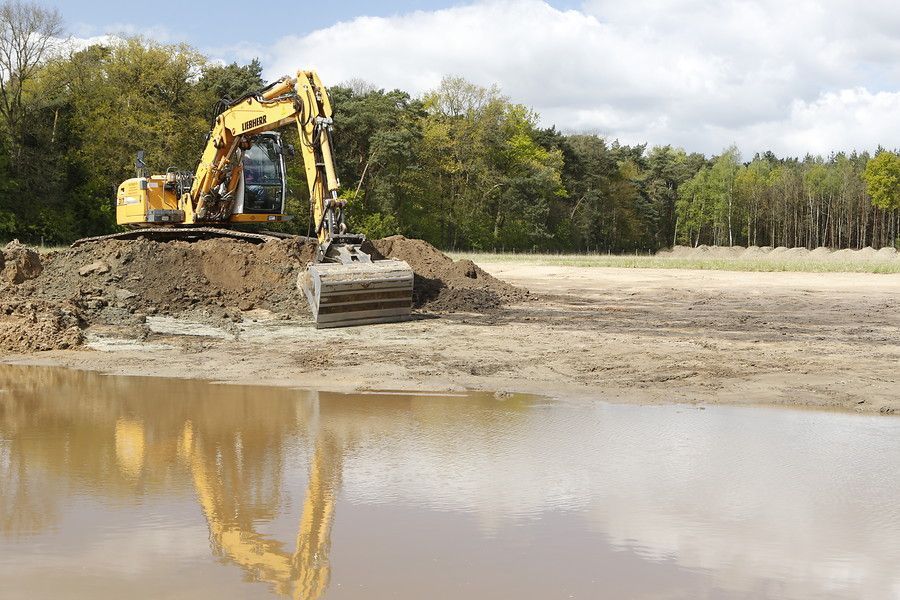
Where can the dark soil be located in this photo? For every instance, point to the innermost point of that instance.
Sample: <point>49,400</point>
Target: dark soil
<point>442,284</point>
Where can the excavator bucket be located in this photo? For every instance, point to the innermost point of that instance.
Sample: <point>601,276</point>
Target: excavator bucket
<point>359,293</point>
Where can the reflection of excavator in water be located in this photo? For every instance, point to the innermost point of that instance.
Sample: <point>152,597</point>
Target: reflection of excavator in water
<point>238,463</point>
<point>302,574</point>
<point>241,181</point>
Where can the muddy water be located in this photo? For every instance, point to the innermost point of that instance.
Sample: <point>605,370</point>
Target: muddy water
<point>151,488</point>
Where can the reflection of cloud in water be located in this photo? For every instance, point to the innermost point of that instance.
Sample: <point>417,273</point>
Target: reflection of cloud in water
<point>747,493</point>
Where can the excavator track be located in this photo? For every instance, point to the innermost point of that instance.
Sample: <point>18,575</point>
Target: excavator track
<point>191,234</point>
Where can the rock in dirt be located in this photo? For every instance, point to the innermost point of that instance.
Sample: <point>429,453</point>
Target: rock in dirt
<point>19,263</point>
<point>442,284</point>
<point>123,294</point>
<point>98,266</point>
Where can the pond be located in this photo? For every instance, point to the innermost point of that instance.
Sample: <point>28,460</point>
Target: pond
<point>114,487</point>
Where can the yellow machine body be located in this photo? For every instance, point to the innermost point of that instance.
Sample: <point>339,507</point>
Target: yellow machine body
<point>145,201</point>
<point>139,197</point>
<point>241,180</point>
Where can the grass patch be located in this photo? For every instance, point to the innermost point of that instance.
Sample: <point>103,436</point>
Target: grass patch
<point>764,264</point>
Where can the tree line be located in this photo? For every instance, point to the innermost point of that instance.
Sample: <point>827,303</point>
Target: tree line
<point>462,166</point>
<point>843,201</point>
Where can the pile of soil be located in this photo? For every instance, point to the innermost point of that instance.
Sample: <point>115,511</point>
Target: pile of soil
<point>172,277</point>
<point>46,301</point>
<point>19,263</point>
<point>442,284</point>
<point>30,324</point>
<point>782,253</point>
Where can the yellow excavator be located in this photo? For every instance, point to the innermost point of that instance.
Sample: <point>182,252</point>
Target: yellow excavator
<point>241,181</point>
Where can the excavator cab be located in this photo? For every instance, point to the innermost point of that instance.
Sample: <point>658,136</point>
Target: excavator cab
<point>262,188</point>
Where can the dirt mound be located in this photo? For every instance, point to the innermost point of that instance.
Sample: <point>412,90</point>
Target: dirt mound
<point>781,253</point>
<point>171,277</point>
<point>867,253</point>
<point>46,301</point>
<point>442,284</point>
<point>29,325</point>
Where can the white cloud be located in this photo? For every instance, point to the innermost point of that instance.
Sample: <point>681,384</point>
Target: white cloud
<point>795,77</point>
<point>854,118</point>
<point>76,44</point>
<point>157,33</point>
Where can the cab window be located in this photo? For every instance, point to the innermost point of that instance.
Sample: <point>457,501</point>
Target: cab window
<point>263,179</point>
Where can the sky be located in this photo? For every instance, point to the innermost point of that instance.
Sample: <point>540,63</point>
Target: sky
<point>791,76</point>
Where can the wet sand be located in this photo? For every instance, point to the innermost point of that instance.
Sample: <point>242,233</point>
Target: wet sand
<point>829,340</point>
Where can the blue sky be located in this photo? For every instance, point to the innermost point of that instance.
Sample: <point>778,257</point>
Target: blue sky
<point>794,77</point>
<point>202,25</point>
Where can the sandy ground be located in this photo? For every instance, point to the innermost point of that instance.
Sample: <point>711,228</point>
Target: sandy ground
<point>631,335</point>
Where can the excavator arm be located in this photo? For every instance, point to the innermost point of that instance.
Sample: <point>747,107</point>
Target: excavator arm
<point>302,100</point>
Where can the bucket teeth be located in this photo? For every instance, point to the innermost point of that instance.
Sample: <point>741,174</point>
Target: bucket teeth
<point>341,295</point>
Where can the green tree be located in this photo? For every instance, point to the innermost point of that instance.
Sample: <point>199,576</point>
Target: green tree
<point>105,103</point>
<point>588,173</point>
<point>230,81</point>
<point>721,180</point>
<point>882,176</point>
<point>751,187</point>
<point>29,34</point>
<point>496,181</point>
<point>694,206</point>
<point>378,136</point>
<point>667,169</point>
